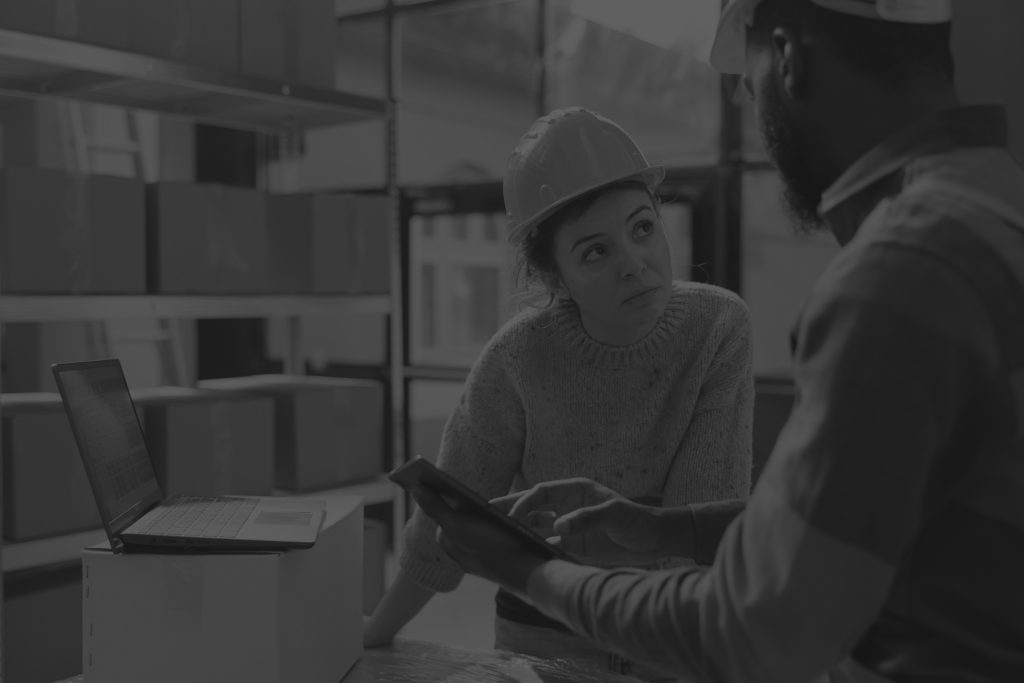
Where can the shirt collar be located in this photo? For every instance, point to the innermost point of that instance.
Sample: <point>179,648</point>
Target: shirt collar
<point>859,189</point>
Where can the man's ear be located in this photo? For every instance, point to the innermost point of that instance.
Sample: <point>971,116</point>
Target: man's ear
<point>789,61</point>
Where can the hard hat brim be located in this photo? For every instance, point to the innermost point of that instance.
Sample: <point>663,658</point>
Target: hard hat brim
<point>729,50</point>
<point>651,177</point>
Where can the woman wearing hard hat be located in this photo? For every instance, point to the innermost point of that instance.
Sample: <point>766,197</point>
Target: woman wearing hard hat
<point>622,375</point>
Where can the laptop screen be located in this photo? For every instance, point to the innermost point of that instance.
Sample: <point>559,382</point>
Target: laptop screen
<point>109,439</point>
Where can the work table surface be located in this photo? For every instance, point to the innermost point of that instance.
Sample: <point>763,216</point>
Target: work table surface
<point>411,661</point>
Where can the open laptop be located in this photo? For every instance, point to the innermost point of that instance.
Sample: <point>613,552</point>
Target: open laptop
<point>131,504</point>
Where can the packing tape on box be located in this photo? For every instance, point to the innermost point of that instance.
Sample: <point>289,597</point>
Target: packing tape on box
<point>76,231</point>
<point>223,448</point>
<point>182,596</point>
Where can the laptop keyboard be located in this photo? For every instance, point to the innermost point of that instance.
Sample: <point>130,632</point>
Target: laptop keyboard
<point>193,517</point>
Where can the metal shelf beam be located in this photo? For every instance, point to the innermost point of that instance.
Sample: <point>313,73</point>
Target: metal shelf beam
<point>52,308</point>
<point>42,66</point>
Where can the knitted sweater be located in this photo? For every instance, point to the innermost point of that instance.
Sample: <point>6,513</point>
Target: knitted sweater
<point>668,417</point>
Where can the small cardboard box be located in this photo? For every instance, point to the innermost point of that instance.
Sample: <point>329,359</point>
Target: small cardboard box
<point>328,431</point>
<point>46,492</point>
<point>289,40</point>
<point>209,443</point>
<point>205,239</point>
<point>273,617</point>
<point>72,233</point>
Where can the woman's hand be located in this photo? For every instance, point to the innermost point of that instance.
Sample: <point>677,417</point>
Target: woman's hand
<point>593,522</point>
<point>371,636</point>
<point>478,544</point>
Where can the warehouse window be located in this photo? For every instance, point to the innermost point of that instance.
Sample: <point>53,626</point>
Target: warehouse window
<point>464,291</point>
<point>779,268</point>
<point>468,88</point>
<point>642,64</point>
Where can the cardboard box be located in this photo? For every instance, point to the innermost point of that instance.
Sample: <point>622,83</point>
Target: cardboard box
<point>272,617</point>
<point>195,31</point>
<point>101,22</point>
<point>46,492</point>
<point>66,233</point>
<point>203,32</point>
<point>363,265</point>
<point>205,239</point>
<point>209,443</point>
<point>375,548</point>
<point>308,244</point>
<point>328,431</point>
<point>289,40</point>
<point>43,625</point>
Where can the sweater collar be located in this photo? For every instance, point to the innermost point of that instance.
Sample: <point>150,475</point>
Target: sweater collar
<point>566,317</point>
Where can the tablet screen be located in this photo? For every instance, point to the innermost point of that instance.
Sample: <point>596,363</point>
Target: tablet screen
<point>427,475</point>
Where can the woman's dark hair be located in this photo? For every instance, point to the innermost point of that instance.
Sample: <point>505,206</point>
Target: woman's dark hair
<point>891,52</point>
<point>535,254</point>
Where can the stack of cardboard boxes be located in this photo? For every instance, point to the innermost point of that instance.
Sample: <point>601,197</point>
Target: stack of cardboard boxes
<point>68,233</point>
<point>293,616</point>
<point>285,40</point>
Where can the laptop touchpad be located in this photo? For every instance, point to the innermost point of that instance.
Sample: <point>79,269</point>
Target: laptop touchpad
<point>283,518</point>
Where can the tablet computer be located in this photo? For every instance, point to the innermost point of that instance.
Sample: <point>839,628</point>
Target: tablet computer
<point>426,474</point>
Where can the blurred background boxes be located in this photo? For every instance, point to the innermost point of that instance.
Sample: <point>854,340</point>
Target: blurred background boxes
<point>328,243</point>
<point>46,492</point>
<point>205,239</point>
<point>70,233</point>
<point>288,40</point>
<point>208,443</point>
<point>305,234</point>
<point>363,262</point>
<point>328,431</point>
<point>201,32</point>
<point>101,22</point>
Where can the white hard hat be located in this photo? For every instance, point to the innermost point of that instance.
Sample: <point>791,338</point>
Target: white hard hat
<point>564,155</point>
<point>728,52</point>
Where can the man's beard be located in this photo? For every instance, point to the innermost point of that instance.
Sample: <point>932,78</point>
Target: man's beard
<point>801,191</point>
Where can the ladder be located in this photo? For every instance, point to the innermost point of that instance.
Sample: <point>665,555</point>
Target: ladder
<point>106,139</point>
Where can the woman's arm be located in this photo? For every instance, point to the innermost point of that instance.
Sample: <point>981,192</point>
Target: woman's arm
<point>482,447</point>
<point>711,470</point>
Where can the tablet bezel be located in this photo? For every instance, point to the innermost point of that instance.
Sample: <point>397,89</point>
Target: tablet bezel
<point>423,472</point>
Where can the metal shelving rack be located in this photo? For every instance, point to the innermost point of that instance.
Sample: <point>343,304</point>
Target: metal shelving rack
<point>37,66</point>
<point>41,66</point>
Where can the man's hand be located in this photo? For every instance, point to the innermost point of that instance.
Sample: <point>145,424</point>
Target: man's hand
<point>592,521</point>
<point>479,545</point>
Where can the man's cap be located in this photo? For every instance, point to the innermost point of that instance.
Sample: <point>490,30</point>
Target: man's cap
<point>728,52</point>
